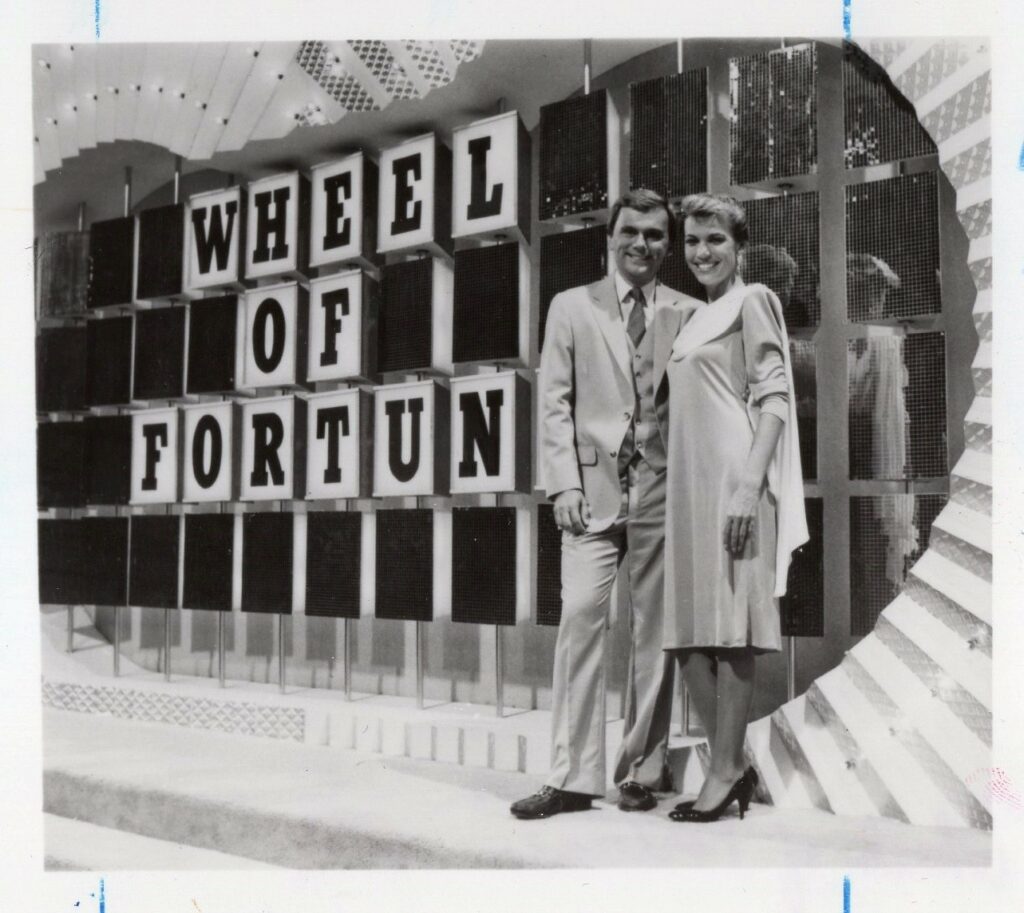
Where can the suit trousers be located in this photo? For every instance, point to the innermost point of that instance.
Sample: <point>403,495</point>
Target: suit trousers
<point>589,566</point>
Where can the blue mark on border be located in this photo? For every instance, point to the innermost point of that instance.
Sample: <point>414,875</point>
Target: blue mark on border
<point>96,16</point>
<point>1020,161</point>
<point>847,18</point>
<point>846,893</point>
<point>103,893</point>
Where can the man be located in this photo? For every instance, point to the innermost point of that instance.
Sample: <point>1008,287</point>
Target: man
<point>602,425</point>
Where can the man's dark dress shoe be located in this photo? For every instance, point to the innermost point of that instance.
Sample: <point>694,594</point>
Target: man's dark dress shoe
<point>634,797</point>
<point>548,801</point>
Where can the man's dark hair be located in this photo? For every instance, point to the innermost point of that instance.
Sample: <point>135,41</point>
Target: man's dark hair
<point>643,200</point>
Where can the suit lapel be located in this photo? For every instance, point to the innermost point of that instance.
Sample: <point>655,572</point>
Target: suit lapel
<point>609,321</point>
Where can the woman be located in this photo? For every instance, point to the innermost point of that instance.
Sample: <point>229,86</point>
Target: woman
<point>735,493</point>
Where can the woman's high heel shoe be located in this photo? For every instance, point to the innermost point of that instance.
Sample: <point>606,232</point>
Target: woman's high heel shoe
<point>742,792</point>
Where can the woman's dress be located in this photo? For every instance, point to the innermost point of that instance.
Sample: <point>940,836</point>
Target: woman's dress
<point>730,361</point>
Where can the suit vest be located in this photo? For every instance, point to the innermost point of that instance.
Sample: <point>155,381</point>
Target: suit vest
<point>643,440</point>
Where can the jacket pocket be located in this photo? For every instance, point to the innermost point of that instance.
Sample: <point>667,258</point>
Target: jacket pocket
<point>587,455</point>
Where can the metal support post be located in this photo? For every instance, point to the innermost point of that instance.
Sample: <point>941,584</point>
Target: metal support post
<point>280,652</point>
<point>70,648</point>
<point>220,649</point>
<point>419,664</point>
<point>790,668</point>
<point>499,670</point>
<point>348,659</point>
<point>117,640</point>
<point>167,645</point>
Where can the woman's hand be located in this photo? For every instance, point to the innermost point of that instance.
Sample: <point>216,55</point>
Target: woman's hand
<point>739,523</point>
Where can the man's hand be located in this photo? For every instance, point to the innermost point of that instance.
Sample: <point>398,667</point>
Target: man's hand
<point>572,512</point>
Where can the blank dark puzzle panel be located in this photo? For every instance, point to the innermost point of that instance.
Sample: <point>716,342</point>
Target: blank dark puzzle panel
<point>62,273</point>
<point>159,354</point>
<point>211,344</point>
<point>568,259</point>
<point>668,148</point>
<point>888,533</point>
<point>783,254</point>
<point>161,251</point>
<point>333,564</point>
<point>774,131</point>
<point>892,249</point>
<point>804,361</point>
<point>108,459</point>
<point>803,606</point>
<point>105,569</point>
<point>405,564</point>
<point>881,124</point>
<point>60,369</point>
<point>60,464</point>
<point>61,562</point>
<point>897,407</point>
<point>549,567</point>
<point>574,156</point>
<point>209,546</point>
<point>111,257</point>
<point>404,327</point>
<point>153,562</point>
<point>108,353</point>
<point>486,309</point>
<point>267,545</point>
<point>484,565</point>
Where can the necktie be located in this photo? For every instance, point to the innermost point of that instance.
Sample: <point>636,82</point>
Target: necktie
<point>637,325</point>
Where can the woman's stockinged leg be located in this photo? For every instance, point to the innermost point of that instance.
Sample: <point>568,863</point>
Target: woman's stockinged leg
<point>734,697</point>
<point>698,672</point>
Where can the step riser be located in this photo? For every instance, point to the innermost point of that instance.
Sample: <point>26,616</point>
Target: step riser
<point>278,840</point>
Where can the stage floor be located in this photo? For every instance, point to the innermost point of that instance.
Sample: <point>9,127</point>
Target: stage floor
<point>196,799</point>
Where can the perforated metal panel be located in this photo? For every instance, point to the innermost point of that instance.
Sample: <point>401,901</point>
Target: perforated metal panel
<point>60,562</point>
<point>211,345</point>
<point>549,567</point>
<point>881,125</point>
<point>484,565</point>
<point>574,156</point>
<point>108,459</point>
<point>486,313</point>
<point>804,361</point>
<point>405,564</point>
<point>60,464</point>
<point>108,354</point>
<point>803,606</point>
<point>153,563</point>
<point>888,533</point>
<point>60,369</point>
<point>404,328</point>
<point>892,247</point>
<point>209,545</point>
<point>774,131</point>
<point>62,273</point>
<point>105,553</point>
<point>568,259</point>
<point>783,254</point>
<point>925,358</point>
<point>668,139</point>
<point>161,251</point>
<point>267,546</point>
<point>111,257</point>
<point>333,564</point>
<point>159,354</point>
<point>897,404</point>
